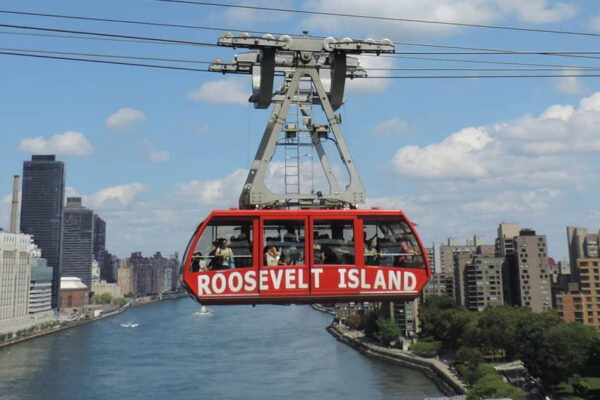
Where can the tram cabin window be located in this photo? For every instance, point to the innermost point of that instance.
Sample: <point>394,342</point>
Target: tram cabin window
<point>283,243</point>
<point>391,243</point>
<point>333,242</point>
<point>224,245</point>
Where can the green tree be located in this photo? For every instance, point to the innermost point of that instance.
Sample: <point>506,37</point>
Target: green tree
<point>490,385</point>
<point>469,356</point>
<point>387,331</point>
<point>119,301</point>
<point>425,349</point>
<point>368,323</point>
<point>104,298</point>
<point>564,352</point>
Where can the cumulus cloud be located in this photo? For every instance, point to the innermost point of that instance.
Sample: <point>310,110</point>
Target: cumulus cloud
<point>224,191</point>
<point>594,23</point>
<point>152,153</point>
<point>116,196</point>
<point>570,84</point>
<point>371,85</point>
<point>392,126</point>
<point>65,144</point>
<point>124,119</point>
<point>248,16</point>
<point>514,151</point>
<point>471,11</point>
<point>234,90</point>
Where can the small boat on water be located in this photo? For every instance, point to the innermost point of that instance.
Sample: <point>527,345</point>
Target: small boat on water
<point>129,325</point>
<point>204,311</point>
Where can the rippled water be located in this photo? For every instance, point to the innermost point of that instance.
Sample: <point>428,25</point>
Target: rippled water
<point>263,352</point>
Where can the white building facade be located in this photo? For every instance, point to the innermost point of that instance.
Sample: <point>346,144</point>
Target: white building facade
<point>15,275</point>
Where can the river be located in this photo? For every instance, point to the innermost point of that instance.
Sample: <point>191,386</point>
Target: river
<point>263,352</point>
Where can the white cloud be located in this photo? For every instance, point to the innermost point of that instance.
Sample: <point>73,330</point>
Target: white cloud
<point>124,119</point>
<point>570,84</point>
<point>392,126</point>
<point>224,191</point>
<point>469,11</point>
<point>454,157</point>
<point>594,23</point>
<point>549,149</point>
<point>152,153</point>
<point>249,16</point>
<point>116,196</point>
<point>538,11</point>
<point>234,90</point>
<point>371,85</point>
<point>66,144</point>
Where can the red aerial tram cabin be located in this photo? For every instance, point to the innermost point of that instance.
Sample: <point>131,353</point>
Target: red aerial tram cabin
<point>305,256</point>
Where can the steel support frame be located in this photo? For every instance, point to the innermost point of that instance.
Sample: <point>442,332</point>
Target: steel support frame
<point>256,194</point>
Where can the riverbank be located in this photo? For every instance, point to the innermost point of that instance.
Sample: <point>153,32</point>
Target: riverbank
<point>141,301</point>
<point>437,371</point>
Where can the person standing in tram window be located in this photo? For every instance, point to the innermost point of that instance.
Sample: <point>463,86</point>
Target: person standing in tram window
<point>300,260</point>
<point>225,253</point>
<point>272,256</point>
<point>370,253</point>
<point>406,253</point>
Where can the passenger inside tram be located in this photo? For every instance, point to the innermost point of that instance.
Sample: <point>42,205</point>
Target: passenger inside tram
<point>221,253</point>
<point>391,244</point>
<point>285,241</point>
<point>334,242</point>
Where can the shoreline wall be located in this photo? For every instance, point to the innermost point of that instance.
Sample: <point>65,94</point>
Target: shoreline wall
<point>136,303</point>
<point>446,383</point>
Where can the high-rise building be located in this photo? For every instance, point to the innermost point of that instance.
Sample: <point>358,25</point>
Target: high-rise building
<point>527,276</point>
<point>99,236</point>
<point>43,193</point>
<point>40,289</point>
<point>15,273</point>
<point>581,302</point>
<point>505,241</point>
<point>483,282</point>
<point>78,245</point>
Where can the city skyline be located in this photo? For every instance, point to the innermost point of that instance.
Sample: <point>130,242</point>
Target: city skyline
<point>458,156</point>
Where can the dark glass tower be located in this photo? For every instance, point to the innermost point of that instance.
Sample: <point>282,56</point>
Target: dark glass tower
<point>77,250</point>
<point>99,236</point>
<point>43,195</point>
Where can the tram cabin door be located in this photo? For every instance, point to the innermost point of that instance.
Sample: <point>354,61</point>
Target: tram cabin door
<point>284,267</point>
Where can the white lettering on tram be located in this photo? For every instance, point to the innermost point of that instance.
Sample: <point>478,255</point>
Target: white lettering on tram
<point>316,274</point>
<point>294,278</point>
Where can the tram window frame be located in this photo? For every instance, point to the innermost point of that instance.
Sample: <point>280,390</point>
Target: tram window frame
<point>351,243</point>
<point>280,245</point>
<point>392,259</point>
<point>210,260</point>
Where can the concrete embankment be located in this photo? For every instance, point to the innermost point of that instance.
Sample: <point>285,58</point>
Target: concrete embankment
<point>434,369</point>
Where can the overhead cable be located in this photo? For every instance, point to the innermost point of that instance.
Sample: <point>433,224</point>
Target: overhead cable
<point>380,18</point>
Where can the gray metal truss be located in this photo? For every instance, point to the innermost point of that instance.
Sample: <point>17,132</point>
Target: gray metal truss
<point>326,64</point>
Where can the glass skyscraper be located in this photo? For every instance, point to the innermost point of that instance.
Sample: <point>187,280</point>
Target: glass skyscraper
<point>43,194</point>
<point>77,251</point>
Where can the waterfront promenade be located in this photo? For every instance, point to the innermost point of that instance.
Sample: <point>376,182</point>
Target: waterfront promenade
<point>433,368</point>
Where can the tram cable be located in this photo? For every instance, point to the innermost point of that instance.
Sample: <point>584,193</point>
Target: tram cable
<point>179,68</point>
<point>111,35</point>
<point>190,61</point>
<point>221,29</point>
<point>381,18</point>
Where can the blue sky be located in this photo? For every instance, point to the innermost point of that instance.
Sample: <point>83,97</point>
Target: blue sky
<point>153,151</point>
